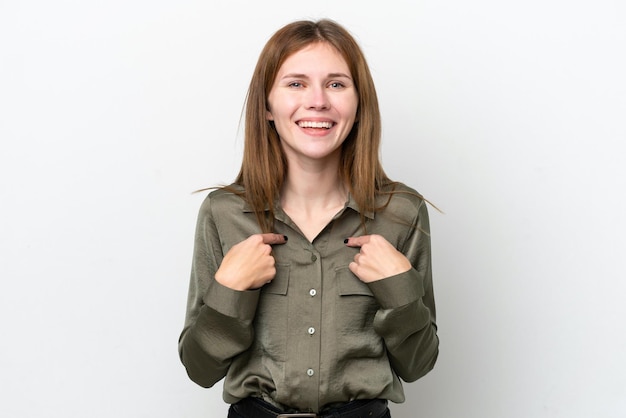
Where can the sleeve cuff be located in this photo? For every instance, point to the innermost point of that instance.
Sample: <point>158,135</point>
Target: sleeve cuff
<point>398,290</point>
<point>232,303</point>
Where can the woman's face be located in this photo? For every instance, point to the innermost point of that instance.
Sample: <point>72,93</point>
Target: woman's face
<point>313,103</point>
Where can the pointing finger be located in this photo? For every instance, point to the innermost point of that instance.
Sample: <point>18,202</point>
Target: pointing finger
<point>272,239</point>
<point>357,241</point>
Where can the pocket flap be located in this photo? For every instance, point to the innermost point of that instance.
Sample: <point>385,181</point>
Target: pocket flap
<point>349,284</point>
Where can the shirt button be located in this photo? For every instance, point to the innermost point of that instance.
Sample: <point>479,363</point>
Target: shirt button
<point>312,292</point>
<point>313,257</point>
<point>310,372</point>
<point>311,331</point>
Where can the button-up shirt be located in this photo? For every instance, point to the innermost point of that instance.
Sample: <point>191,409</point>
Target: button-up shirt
<point>316,335</point>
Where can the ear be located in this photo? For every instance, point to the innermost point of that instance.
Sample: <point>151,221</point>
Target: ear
<point>268,115</point>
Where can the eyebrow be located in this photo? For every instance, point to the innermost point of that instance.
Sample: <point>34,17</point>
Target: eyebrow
<point>330,75</point>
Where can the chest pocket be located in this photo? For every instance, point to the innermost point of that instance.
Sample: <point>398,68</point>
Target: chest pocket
<point>356,308</point>
<point>271,317</point>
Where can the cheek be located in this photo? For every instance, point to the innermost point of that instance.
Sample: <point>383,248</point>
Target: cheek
<point>355,106</point>
<point>280,109</point>
<point>350,108</point>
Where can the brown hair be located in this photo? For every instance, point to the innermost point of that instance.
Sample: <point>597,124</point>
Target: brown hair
<point>264,165</point>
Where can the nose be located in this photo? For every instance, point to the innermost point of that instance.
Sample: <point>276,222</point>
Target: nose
<point>317,98</point>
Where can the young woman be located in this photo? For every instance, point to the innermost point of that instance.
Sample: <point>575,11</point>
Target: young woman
<point>311,288</point>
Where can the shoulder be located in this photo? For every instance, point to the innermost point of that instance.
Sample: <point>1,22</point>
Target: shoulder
<point>223,200</point>
<point>400,195</point>
<point>402,201</point>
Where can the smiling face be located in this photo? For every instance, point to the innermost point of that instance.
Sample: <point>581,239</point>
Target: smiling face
<point>313,103</point>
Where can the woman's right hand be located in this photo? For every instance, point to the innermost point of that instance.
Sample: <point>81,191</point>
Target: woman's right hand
<point>249,264</point>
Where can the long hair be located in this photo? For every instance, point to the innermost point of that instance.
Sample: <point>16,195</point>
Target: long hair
<point>264,164</point>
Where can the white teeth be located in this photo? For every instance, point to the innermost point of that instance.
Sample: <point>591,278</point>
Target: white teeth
<point>311,124</point>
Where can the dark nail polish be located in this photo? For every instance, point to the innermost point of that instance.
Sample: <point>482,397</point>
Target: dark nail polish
<point>286,237</point>
<point>345,241</point>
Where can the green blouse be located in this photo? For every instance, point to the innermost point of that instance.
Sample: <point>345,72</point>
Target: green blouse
<point>316,335</point>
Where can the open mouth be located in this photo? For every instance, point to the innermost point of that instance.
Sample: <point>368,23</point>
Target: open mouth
<point>316,125</point>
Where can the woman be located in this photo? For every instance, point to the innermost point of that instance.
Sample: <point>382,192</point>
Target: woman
<point>311,287</point>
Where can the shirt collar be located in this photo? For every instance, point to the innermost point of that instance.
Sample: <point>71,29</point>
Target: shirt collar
<point>350,203</point>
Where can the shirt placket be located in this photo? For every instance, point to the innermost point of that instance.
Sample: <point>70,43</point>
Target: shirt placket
<point>304,371</point>
<point>304,334</point>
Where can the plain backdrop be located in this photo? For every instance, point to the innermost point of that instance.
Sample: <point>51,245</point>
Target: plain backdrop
<point>508,115</point>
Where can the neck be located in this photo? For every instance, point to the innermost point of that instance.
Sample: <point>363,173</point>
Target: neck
<point>309,188</point>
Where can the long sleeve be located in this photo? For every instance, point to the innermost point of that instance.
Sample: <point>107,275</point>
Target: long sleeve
<point>406,320</point>
<point>218,322</point>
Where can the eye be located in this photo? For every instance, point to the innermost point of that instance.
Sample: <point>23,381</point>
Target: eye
<point>336,85</point>
<point>295,84</point>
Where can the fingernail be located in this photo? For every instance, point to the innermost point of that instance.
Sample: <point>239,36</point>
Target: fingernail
<point>286,237</point>
<point>345,241</point>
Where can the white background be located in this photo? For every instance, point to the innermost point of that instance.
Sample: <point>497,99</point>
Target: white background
<point>508,115</point>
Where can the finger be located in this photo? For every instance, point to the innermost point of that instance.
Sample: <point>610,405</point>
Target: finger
<point>357,241</point>
<point>272,239</point>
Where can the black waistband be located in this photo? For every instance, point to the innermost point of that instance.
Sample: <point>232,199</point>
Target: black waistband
<point>257,408</point>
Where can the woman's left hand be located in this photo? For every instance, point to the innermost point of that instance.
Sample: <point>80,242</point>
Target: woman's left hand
<point>377,259</point>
